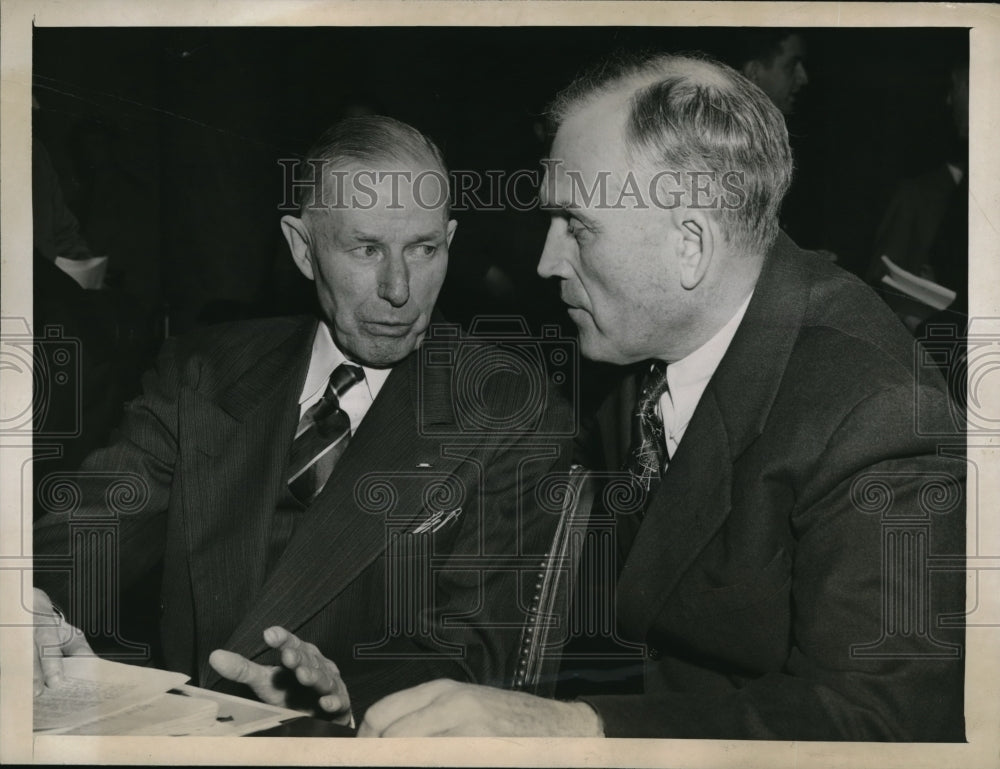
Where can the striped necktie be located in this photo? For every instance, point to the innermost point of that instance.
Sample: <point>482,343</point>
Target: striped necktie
<point>322,436</point>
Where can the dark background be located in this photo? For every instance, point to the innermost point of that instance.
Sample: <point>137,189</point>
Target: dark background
<point>167,141</point>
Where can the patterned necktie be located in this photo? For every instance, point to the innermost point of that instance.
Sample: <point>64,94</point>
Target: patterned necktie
<point>646,461</point>
<point>649,454</point>
<point>322,436</point>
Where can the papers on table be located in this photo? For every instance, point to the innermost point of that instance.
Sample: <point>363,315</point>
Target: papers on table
<point>922,290</point>
<point>167,715</point>
<point>100,697</point>
<point>236,716</point>
<point>93,689</point>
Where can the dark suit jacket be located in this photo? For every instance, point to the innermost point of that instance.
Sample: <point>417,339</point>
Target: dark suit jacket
<point>792,568</point>
<point>205,452</point>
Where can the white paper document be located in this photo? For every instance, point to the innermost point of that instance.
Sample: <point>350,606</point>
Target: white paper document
<point>166,716</point>
<point>924,291</point>
<point>237,716</point>
<point>93,688</point>
<point>99,697</point>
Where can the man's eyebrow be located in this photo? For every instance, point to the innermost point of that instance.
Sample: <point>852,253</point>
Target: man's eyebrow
<point>363,237</point>
<point>571,210</point>
<point>429,236</point>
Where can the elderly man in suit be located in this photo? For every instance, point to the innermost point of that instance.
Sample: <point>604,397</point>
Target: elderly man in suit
<point>777,567</point>
<point>317,483</point>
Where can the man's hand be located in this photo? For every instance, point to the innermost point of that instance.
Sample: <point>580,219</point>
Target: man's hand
<point>54,639</point>
<point>305,680</point>
<point>445,708</point>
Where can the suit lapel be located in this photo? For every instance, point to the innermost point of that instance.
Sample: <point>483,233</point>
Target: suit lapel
<point>690,505</point>
<point>240,435</point>
<point>694,499</point>
<point>337,538</point>
<point>749,375</point>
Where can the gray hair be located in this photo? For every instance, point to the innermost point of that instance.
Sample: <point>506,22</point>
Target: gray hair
<point>367,139</point>
<point>692,113</point>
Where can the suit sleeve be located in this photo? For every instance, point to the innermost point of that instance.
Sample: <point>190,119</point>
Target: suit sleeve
<point>868,658</point>
<point>122,490</point>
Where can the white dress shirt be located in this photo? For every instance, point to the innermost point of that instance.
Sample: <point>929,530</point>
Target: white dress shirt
<point>688,378</point>
<point>326,356</point>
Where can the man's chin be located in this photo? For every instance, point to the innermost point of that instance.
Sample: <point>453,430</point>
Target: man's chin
<point>384,351</point>
<point>595,348</point>
<point>592,345</point>
<point>600,349</point>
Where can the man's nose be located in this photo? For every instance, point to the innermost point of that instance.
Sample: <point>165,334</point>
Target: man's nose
<point>553,260</point>
<point>394,280</point>
<point>800,74</point>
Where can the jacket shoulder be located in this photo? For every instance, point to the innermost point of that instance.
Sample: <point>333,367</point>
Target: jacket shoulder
<point>846,322</point>
<point>223,352</point>
<point>851,350</point>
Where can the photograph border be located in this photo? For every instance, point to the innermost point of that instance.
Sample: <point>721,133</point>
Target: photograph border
<point>17,18</point>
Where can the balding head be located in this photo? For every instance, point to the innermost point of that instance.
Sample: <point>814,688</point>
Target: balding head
<point>371,141</point>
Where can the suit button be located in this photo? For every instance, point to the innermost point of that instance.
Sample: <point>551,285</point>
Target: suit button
<point>653,653</point>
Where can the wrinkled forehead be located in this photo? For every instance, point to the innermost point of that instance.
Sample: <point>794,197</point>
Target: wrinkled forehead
<point>590,154</point>
<point>405,188</point>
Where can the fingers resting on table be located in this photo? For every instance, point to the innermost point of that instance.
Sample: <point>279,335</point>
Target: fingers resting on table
<point>54,638</point>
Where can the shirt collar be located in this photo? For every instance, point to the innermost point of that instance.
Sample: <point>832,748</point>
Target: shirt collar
<point>325,357</point>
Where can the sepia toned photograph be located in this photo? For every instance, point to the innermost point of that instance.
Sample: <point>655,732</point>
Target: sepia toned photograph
<point>610,384</point>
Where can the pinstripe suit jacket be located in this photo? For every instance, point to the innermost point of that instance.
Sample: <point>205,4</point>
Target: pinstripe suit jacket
<point>210,439</point>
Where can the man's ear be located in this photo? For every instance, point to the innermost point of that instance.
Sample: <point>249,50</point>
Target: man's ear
<point>696,247</point>
<point>452,226</point>
<point>297,235</point>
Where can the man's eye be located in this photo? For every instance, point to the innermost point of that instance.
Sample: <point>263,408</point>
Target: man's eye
<point>369,250</point>
<point>575,228</point>
<point>426,250</point>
